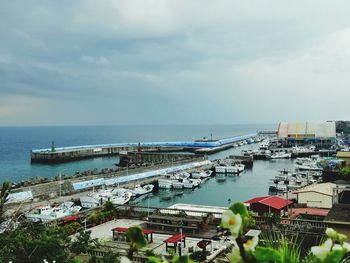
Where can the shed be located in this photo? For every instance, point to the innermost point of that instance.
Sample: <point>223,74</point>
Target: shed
<point>317,195</point>
<point>268,204</point>
<point>345,156</point>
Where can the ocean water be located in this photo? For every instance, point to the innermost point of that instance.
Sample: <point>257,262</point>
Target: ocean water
<point>16,143</point>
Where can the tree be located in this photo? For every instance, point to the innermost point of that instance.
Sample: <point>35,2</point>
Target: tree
<point>4,193</point>
<point>136,240</point>
<point>83,243</point>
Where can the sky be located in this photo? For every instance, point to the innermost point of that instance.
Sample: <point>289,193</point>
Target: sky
<point>173,61</point>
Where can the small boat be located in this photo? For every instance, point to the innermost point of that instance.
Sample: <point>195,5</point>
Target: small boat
<point>281,155</point>
<point>220,169</point>
<point>201,174</point>
<point>178,185</point>
<point>240,167</point>
<point>48,213</point>
<point>142,190</point>
<point>165,183</point>
<point>232,169</point>
<point>188,184</point>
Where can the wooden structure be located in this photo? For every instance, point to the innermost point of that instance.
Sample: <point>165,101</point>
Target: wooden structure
<point>174,240</point>
<point>118,231</point>
<point>169,223</point>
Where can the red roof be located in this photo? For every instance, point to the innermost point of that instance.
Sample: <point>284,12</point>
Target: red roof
<point>71,218</point>
<point>271,201</point>
<point>175,238</point>
<point>309,211</point>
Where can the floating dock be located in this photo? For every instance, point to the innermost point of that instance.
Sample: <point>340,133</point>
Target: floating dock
<point>64,154</point>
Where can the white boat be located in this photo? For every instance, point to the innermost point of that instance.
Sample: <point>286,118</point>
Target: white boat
<point>220,169</point>
<point>165,183</point>
<point>196,182</point>
<point>188,184</point>
<point>142,190</point>
<point>240,167</point>
<point>232,169</point>
<point>116,197</point>
<point>264,146</point>
<point>201,174</point>
<point>178,185</point>
<point>281,155</point>
<point>48,213</point>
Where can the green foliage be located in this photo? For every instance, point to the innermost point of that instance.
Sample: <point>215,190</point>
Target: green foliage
<point>83,243</point>
<point>34,243</point>
<point>108,206</point>
<point>267,254</point>
<point>4,193</point>
<point>137,240</point>
<point>345,172</point>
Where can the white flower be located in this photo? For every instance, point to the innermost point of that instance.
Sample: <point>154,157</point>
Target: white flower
<point>321,251</point>
<point>330,232</point>
<point>346,246</point>
<point>232,221</point>
<point>251,244</point>
<point>337,247</point>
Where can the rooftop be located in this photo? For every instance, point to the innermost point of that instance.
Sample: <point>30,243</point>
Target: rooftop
<point>271,201</point>
<point>324,188</point>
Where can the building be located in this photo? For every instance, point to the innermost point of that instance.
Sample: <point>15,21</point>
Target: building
<point>305,133</point>
<point>318,195</point>
<point>268,204</point>
<point>345,156</point>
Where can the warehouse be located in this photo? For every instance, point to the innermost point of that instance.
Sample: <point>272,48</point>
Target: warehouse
<point>321,134</point>
<point>317,195</point>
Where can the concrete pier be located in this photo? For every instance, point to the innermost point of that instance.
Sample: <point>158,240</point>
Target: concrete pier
<point>64,154</point>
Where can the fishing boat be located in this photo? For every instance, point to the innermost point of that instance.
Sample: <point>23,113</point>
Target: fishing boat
<point>47,213</point>
<point>165,183</point>
<point>142,190</point>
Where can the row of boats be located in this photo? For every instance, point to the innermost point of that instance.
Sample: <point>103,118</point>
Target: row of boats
<point>184,180</point>
<point>290,181</point>
<point>118,196</point>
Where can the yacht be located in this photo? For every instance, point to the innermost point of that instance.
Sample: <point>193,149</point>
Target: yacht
<point>201,174</point>
<point>240,167</point>
<point>220,169</point>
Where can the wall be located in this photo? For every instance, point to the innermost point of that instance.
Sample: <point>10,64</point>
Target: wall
<point>313,199</point>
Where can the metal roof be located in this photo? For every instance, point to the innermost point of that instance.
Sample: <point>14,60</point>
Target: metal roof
<point>271,201</point>
<point>312,130</point>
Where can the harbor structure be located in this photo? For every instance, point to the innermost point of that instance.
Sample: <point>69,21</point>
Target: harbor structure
<point>64,154</point>
<point>318,195</point>
<point>319,134</point>
<point>344,156</point>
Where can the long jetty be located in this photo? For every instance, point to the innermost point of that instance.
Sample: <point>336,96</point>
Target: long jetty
<point>64,154</point>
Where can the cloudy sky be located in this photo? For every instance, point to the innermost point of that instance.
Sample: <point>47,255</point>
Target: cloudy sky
<point>173,62</point>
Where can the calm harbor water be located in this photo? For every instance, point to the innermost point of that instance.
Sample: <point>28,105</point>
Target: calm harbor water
<point>16,143</point>
<point>251,183</point>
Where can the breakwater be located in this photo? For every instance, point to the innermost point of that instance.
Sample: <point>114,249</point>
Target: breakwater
<point>64,154</point>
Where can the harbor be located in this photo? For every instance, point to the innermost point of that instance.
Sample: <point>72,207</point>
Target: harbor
<point>172,192</point>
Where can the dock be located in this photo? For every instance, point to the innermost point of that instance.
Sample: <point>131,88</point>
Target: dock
<point>65,154</point>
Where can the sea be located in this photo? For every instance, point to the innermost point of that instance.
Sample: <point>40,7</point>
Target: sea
<point>17,142</point>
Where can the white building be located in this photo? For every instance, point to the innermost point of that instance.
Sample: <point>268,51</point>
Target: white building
<point>317,195</point>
